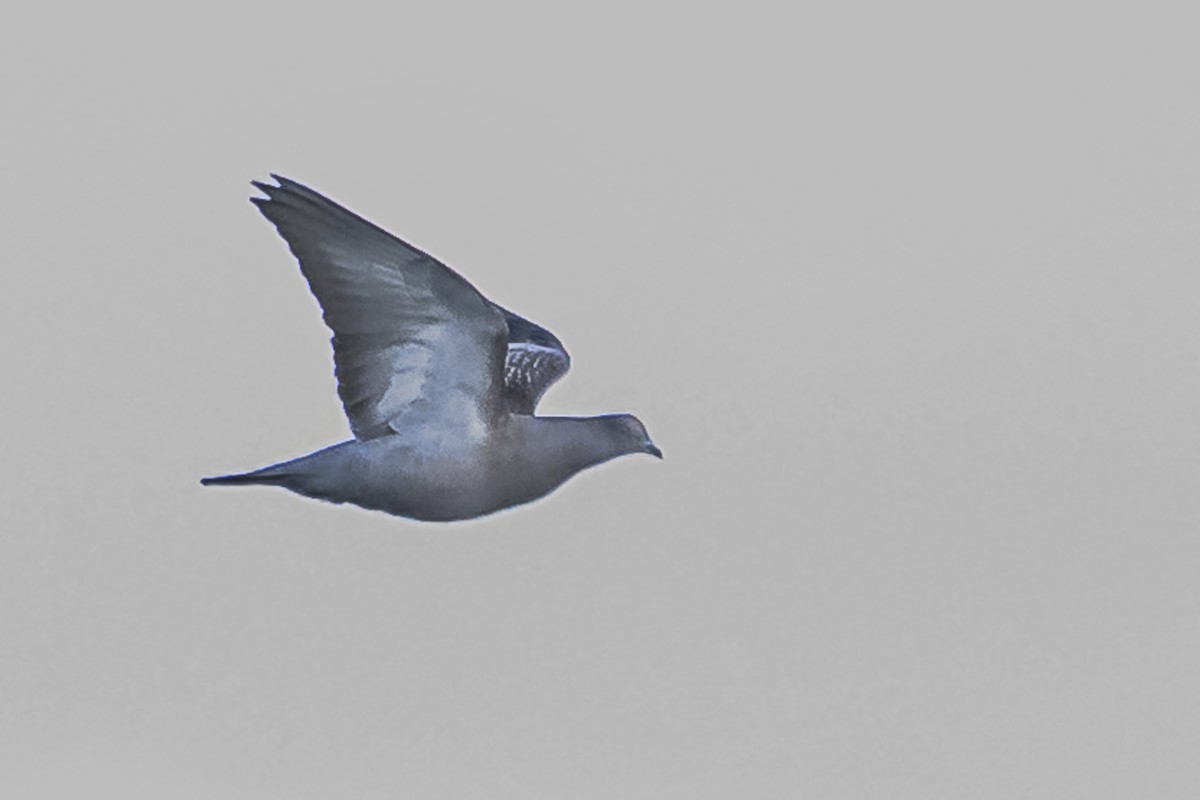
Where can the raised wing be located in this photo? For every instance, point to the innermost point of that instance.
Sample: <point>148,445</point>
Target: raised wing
<point>415,346</point>
<point>536,359</point>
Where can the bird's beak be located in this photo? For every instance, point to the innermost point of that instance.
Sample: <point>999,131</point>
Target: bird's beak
<point>652,450</point>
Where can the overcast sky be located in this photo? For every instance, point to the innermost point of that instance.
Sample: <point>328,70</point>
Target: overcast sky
<point>907,294</point>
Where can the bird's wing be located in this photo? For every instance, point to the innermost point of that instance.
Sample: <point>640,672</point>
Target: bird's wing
<point>536,359</point>
<point>415,347</point>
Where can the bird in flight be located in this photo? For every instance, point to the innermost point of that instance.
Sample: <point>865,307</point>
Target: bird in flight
<point>439,383</point>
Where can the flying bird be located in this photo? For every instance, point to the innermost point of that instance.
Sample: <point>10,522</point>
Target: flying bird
<point>439,384</point>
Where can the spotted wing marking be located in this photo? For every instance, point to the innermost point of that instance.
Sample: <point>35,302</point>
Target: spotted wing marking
<point>529,371</point>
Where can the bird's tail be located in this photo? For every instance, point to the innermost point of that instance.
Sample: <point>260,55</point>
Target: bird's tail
<point>320,474</point>
<point>269,476</point>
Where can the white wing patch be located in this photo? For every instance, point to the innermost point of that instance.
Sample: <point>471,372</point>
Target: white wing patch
<point>410,366</point>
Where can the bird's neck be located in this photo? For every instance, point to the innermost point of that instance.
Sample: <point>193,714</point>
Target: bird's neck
<point>571,444</point>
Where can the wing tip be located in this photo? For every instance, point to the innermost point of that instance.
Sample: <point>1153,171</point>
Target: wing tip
<point>266,189</point>
<point>287,194</point>
<point>295,193</point>
<point>281,182</point>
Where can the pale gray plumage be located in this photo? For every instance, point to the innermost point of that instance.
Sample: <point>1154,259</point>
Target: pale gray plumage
<point>439,384</point>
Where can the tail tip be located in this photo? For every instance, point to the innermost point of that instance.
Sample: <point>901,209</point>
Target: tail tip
<point>244,479</point>
<point>226,480</point>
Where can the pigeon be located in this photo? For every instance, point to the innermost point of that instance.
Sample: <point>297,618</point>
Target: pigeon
<point>439,384</point>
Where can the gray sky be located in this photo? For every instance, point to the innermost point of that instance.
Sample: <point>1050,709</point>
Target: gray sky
<point>907,295</point>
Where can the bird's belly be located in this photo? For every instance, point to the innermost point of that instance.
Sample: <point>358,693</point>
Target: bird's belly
<point>436,487</point>
<point>432,485</point>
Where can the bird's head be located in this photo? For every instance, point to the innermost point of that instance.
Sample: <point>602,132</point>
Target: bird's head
<point>630,431</point>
